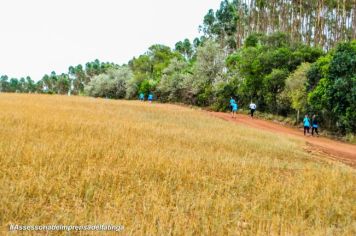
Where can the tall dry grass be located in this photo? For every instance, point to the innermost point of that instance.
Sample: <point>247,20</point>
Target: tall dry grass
<point>162,170</point>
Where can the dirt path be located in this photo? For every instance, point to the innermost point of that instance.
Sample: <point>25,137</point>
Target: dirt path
<point>334,149</point>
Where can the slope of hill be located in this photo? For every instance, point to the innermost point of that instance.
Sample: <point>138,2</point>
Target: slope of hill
<point>161,170</point>
<point>341,151</point>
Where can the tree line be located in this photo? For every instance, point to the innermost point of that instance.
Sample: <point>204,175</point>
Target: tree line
<point>282,73</point>
<point>71,82</point>
<point>320,23</point>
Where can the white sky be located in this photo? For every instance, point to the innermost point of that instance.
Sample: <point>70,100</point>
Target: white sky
<point>40,36</point>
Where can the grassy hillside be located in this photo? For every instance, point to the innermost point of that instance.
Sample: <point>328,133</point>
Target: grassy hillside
<point>161,169</point>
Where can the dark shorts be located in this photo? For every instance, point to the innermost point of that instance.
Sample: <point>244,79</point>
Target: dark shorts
<point>306,129</point>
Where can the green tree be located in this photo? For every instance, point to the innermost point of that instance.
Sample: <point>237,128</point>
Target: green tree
<point>39,86</point>
<point>4,83</point>
<point>62,84</point>
<point>160,57</point>
<point>343,75</point>
<point>207,72</point>
<point>148,69</point>
<point>172,85</point>
<point>185,48</point>
<point>112,84</point>
<point>332,82</point>
<point>221,25</point>
<point>79,78</point>
<point>295,89</point>
<point>14,85</point>
<point>273,84</point>
<point>263,64</point>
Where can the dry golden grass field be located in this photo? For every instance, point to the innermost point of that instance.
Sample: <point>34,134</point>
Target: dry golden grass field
<point>162,170</point>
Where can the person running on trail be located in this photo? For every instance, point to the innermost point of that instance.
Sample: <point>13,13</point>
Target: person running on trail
<point>142,96</point>
<point>232,101</point>
<point>150,97</point>
<point>252,108</point>
<point>235,107</point>
<point>306,123</point>
<point>314,125</point>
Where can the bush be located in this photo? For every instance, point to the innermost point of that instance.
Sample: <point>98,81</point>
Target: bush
<point>112,84</point>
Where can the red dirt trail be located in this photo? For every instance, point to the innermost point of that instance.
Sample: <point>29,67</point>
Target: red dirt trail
<point>333,149</point>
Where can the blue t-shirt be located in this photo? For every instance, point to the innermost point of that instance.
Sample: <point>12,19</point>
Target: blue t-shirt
<point>315,123</point>
<point>234,107</point>
<point>142,96</point>
<point>232,101</point>
<point>306,122</point>
<point>150,97</point>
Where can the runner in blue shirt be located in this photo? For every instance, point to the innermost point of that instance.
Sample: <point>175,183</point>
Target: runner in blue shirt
<point>232,101</point>
<point>150,97</point>
<point>142,96</point>
<point>235,107</point>
<point>306,123</point>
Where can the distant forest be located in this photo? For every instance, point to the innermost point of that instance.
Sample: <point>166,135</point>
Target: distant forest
<point>288,56</point>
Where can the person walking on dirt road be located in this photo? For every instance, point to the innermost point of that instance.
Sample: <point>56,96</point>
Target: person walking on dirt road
<point>314,125</point>
<point>142,97</point>
<point>232,101</point>
<point>150,97</point>
<point>306,123</point>
<point>235,107</point>
<point>252,108</point>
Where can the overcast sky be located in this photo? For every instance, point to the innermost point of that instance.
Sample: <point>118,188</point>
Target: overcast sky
<point>40,36</point>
